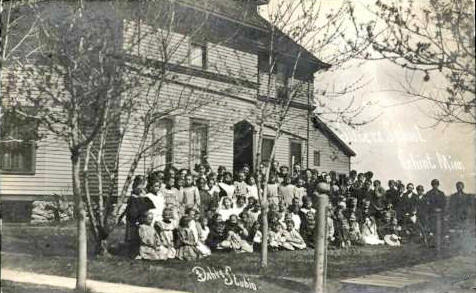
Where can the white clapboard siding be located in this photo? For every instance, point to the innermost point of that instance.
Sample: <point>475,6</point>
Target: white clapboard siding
<point>52,173</point>
<point>230,84</point>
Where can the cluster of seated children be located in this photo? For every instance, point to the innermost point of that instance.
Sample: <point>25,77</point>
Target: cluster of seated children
<point>187,215</point>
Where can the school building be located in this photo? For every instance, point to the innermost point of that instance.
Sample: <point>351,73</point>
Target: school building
<point>227,61</point>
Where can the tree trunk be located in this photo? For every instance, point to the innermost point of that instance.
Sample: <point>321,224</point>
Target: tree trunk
<point>102,247</point>
<point>264,226</point>
<point>81,260</point>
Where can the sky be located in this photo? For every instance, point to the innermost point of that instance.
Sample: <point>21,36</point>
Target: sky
<point>402,142</point>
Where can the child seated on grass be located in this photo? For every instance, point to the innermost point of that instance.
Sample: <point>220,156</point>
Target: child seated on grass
<point>188,245</point>
<point>256,234</point>
<point>217,233</point>
<point>236,236</point>
<point>166,228</point>
<point>292,236</point>
<point>277,239</point>
<point>307,229</point>
<point>149,239</point>
<point>197,230</point>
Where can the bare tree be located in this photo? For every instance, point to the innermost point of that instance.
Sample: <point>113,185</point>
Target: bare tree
<point>66,85</point>
<point>436,39</point>
<point>287,72</point>
<point>153,92</point>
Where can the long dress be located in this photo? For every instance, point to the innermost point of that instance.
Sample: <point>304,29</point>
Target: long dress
<point>236,239</point>
<point>191,197</point>
<point>166,236</point>
<point>197,234</point>
<point>171,197</point>
<point>295,239</point>
<point>149,243</point>
<point>135,208</point>
<point>187,248</point>
<point>369,232</point>
<point>278,240</point>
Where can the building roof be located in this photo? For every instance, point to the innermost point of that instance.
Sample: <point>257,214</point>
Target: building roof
<point>245,13</point>
<point>319,124</point>
<point>238,10</point>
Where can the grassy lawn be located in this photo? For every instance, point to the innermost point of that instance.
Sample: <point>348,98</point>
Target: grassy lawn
<point>49,250</point>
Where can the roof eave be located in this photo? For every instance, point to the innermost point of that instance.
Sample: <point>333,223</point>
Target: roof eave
<point>318,123</point>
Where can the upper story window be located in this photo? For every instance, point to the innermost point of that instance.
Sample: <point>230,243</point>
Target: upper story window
<point>282,90</point>
<point>198,55</point>
<point>17,144</point>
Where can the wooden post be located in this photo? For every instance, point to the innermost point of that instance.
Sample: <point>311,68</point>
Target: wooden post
<point>438,232</point>
<point>320,248</point>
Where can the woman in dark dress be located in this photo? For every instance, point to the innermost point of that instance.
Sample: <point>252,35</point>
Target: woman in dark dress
<point>137,206</point>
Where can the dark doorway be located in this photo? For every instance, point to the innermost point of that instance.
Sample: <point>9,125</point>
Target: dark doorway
<point>243,145</point>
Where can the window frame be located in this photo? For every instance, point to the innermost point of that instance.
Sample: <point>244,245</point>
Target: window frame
<point>32,149</point>
<point>207,127</point>
<point>204,58</point>
<point>282,82</point>
<point>269,138</point>
<point>169,153</point>
<point>316,157</point>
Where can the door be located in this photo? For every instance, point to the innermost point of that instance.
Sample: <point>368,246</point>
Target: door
<point>242,145</point>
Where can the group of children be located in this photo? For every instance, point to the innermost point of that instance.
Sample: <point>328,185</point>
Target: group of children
<point>187,215</point>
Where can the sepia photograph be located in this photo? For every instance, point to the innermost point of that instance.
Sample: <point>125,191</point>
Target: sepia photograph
<point>315,146</point>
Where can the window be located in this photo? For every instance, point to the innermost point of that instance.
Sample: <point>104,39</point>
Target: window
<point>198,142</point>
<point>17,145</point>
<point>198,55</point>
<point>266,147</point>
<point>317,158</point>
<point>282,83</point>
<point>295,153</point>
<point>162,137</point>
